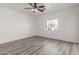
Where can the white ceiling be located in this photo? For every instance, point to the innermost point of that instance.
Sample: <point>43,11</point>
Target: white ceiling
<point>49,6</point>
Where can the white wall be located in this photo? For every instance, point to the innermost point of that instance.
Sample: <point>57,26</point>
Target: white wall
<point>67,25</point>
<point>78,27</point>
<point>15,25</point>
<point>77,17</point>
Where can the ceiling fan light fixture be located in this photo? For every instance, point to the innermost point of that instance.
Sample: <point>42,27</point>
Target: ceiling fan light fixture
<point>35,10</point>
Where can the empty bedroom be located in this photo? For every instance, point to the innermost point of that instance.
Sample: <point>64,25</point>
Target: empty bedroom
<point>39,29</point>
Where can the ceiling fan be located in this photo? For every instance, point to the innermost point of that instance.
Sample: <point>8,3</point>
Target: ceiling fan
<point>36,8</point>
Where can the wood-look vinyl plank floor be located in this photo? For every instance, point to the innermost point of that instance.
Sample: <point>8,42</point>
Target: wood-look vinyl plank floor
<point>39,46</point>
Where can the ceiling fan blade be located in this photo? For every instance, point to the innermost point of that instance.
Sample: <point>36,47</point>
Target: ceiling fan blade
<point>40,10</point>
<point>27,8</point>
<point>30,4</point>
<point>41,6</point>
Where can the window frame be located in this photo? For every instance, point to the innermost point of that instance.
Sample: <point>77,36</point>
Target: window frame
<point>52,24</point>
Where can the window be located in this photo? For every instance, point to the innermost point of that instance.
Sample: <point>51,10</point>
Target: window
<point>52,24</point>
